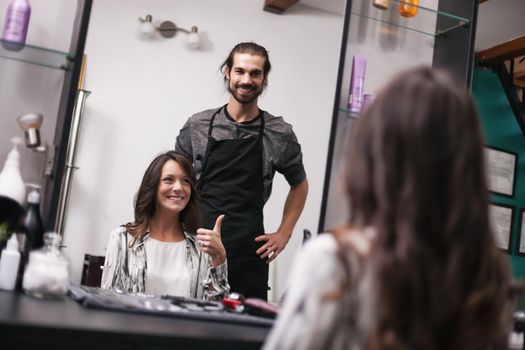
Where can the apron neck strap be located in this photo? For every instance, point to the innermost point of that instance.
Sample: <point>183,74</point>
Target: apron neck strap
<point>210,127</point>
<point>261,116</point>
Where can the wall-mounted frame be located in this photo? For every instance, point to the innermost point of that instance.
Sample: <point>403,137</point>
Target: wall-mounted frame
<point>501,170</point>
<point>521,241</point>
<point>501,217</point>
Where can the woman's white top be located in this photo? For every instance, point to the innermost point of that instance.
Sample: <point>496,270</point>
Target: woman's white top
<point>126,266</point>
<point>310,319</point>
<point>167,272</point>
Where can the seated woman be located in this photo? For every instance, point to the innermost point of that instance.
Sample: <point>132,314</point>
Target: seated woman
<point>416,267</point>
<point>162,252</point>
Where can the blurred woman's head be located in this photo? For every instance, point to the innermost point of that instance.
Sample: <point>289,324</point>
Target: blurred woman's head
<point>416,174</point>
<point>417,153</point>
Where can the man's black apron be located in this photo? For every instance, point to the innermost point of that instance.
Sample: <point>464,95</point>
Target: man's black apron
<point>231,183</point>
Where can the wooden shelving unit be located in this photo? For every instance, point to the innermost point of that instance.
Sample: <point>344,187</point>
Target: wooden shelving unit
<point>278,6</point>
<point>510,51</point>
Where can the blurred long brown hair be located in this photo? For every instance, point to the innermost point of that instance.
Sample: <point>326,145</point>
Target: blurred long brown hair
<point>416,174</point>
<point>145,200</point>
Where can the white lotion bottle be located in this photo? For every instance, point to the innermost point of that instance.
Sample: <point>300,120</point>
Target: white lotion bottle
<point>9,264</point>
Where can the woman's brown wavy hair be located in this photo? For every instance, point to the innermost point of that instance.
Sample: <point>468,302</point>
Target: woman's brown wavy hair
<point>416,174</point>
<point>145,200</point>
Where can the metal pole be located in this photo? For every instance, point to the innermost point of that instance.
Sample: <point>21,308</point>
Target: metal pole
<point>78,111</point>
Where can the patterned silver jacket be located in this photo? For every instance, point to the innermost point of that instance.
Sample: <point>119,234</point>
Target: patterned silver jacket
<point>125,267</point>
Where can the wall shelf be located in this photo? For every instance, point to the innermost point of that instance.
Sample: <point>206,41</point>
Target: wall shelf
<point>441,36</point>
<point>346,113</point>
<point>36,55</point>
<point>392,17</point>
<point>58,100</point>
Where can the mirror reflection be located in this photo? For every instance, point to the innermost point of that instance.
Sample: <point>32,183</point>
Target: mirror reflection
<point>148,75</point>
<point>144,89</point>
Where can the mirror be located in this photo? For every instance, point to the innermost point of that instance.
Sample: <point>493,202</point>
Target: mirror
<point>144,89</point>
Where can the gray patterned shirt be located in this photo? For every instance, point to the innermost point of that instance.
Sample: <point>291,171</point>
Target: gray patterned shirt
<point>125,267</point>
<point>281,150</point>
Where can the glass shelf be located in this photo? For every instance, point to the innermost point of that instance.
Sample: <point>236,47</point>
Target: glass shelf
<point>448,21</point>
<point>348,113</point>
<point>35,55</point>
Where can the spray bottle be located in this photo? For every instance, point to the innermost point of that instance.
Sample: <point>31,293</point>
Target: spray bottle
<point>12,193</point>
<point>11,183</point>
<point>9,264</point>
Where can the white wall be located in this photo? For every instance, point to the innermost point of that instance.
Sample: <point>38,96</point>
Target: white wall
<point>144,90</point>
<point>499,21</point>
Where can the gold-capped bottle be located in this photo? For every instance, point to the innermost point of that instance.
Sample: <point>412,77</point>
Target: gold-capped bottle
<point>408,8</point>
<point>382,4</point>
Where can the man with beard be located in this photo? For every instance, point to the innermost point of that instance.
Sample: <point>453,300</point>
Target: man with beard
<point>236,150</point>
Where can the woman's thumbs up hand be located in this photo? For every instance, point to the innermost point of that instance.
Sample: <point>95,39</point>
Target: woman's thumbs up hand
<point>211,243</point>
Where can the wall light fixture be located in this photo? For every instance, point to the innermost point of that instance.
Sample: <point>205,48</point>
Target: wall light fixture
<point>168,29</point>
<point>31,124</point>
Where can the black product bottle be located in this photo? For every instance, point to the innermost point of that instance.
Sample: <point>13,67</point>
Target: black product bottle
<point>32,221</point>
<point>32,228</point>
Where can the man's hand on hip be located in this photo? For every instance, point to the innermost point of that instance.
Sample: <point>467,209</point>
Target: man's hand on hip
<point>275,243</point>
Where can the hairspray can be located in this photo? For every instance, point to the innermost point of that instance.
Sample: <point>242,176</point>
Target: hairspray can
<point>357,82</point>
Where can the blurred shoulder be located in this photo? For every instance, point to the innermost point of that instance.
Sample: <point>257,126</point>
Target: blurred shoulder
<point>322,246</point>
<point>354,242</point>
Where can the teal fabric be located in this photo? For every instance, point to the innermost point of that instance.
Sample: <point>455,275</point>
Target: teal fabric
<point>502,131</point>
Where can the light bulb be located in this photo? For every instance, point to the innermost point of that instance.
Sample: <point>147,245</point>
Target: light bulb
<point>193,40</point>
<point>31,124</point>
<point>147,29</point>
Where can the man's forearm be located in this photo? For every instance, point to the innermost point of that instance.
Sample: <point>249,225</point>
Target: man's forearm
<point>293,207</point>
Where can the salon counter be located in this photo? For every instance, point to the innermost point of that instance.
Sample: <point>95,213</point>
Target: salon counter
<point>30,323</point>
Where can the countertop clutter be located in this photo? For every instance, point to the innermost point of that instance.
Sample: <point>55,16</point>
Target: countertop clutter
<point>29,322</point>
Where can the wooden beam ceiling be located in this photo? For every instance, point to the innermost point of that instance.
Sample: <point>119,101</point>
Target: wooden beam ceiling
<point>278,6</point>
<point>511,50</point>
<point>503,52</point>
